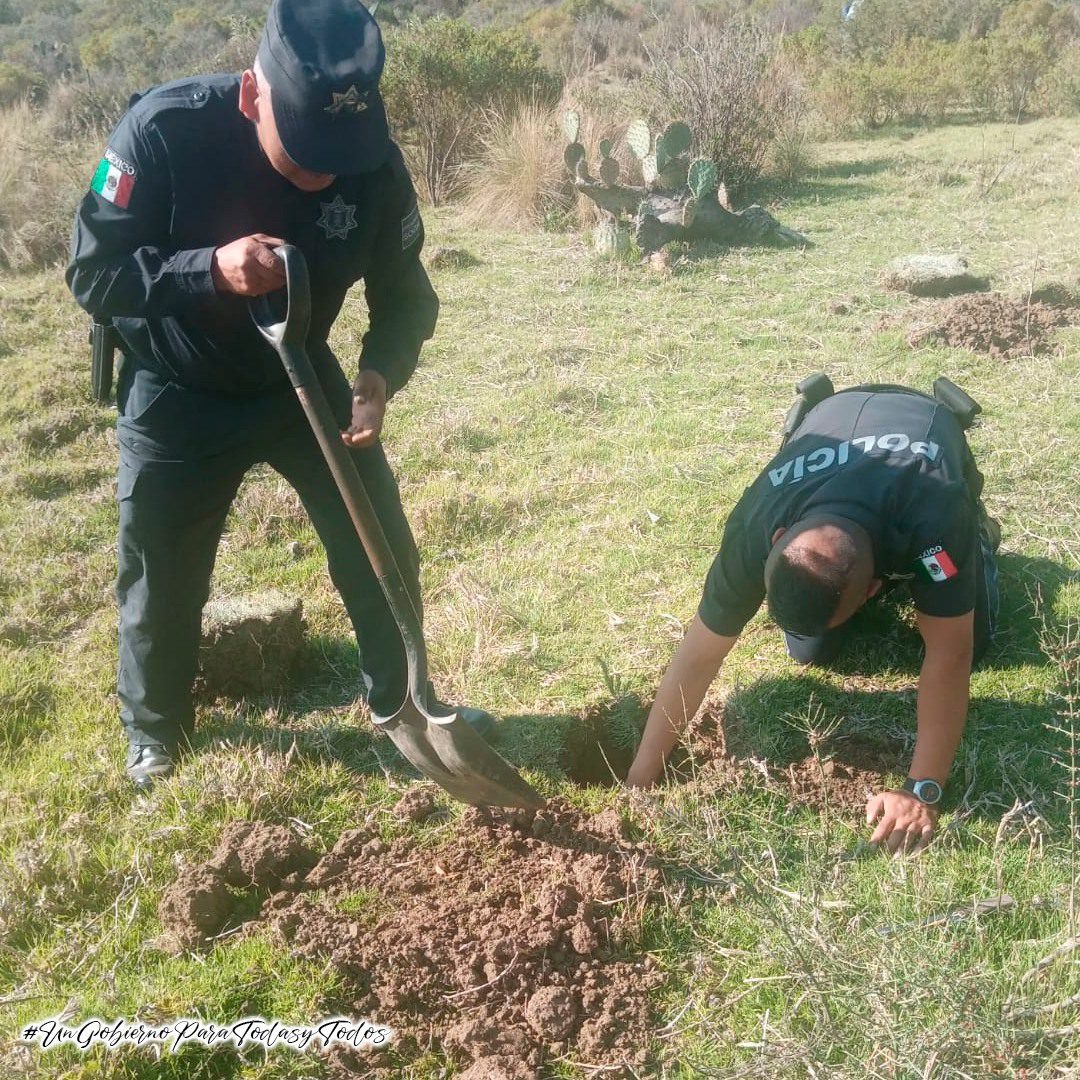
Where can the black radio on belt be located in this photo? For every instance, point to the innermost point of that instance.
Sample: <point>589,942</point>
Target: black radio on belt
<point>104,341</point>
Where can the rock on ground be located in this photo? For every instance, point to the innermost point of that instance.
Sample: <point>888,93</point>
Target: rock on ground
<point>932,275</point>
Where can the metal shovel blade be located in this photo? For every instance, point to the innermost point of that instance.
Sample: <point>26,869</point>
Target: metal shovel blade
<point>442,747</point>
<point>448,751</point>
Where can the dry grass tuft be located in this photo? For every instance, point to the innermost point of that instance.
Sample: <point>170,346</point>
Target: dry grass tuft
<point>519,178</point>
<point>42,177</point>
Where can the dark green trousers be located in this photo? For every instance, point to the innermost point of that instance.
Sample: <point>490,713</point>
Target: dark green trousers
<point>183,455</point>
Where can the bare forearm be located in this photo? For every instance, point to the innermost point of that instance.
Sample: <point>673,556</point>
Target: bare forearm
<point>943,703</point>
<point>681,693</point>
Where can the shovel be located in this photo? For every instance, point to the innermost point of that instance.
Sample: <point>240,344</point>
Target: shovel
<point>440,745</point>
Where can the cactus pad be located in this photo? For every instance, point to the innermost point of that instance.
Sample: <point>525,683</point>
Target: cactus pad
<point>609,171</point>
<point>675,139</point>
<point>702,178</point>
<point>673,176</point>
<point>648,169</point>
<point>605,148</point>
<point>571,125</point>
<point>573,154</point>
<point>638,139</point>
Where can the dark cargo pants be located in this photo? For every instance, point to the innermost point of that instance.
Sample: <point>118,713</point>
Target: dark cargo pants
<point>183,455</point>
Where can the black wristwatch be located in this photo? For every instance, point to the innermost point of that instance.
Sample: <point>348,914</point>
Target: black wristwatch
<point>926,791</point>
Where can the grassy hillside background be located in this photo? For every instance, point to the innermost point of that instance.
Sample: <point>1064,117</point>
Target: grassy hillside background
<point>568,452</point>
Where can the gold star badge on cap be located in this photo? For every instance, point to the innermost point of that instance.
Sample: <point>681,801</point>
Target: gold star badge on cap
<point>352,101</point>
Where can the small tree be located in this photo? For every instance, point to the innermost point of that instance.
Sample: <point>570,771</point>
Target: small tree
<point>441,75</point>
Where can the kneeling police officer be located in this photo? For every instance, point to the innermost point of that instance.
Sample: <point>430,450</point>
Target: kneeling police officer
<point>872,484</point>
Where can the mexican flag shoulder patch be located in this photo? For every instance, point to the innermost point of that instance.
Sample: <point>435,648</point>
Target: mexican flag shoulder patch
<point>937,564</point>
<point>114,180</point>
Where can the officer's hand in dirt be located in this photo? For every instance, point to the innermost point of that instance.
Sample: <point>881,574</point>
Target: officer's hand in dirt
<point>905,825</point>
<point>368,409</point>
<point>248,266</point>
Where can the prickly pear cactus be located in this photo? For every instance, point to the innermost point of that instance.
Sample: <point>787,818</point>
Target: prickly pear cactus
<point>572,155</point>
<point>673,176</point>
<point>571,126</point>
<point>638,139</point>
<point>609,171</point>
<point>702,178</point>
<point>604,146</point>
<point>611,238</point>
<point>675,140</point>
<point>648,169</point>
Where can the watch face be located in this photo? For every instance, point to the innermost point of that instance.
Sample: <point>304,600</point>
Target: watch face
<point>927,791</point>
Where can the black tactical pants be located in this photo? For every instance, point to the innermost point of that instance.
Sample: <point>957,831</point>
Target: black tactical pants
<point>183,455</point>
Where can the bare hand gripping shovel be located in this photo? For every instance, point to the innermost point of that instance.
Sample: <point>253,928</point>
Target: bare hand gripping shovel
<point>442,747</point>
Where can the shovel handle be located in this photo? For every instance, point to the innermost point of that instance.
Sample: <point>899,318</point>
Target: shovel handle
<point>284,319</point>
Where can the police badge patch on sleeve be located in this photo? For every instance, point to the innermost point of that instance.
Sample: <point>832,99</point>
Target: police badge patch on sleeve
<point>410,227</point>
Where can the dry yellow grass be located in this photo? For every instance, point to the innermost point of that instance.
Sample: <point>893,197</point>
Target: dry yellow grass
<point>41,180</point>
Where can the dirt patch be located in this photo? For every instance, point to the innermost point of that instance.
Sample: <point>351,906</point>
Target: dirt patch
<point>1000,326</point>
<point>508,944</point>
<point>251,856</point>
<point>840,774</point>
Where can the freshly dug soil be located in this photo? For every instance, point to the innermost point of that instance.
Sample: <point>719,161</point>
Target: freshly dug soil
<point>841,774</point>
<point>1000,326</point>
<point>506,942</point>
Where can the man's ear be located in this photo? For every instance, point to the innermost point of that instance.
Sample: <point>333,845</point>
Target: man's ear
<point>873,588</point>
<point>776,536</point>
<point>249,96</point>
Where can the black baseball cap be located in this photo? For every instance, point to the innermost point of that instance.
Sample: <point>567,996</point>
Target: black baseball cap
<point>323,59</point>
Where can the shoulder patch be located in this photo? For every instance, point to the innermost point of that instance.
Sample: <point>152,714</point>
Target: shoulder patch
<point>937,565</point>
<point>410,227</point>
<point>114,179</point>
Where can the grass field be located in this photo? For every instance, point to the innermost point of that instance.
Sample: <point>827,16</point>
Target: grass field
<point>568,452</point>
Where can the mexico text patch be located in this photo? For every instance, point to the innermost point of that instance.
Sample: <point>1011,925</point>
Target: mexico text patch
<point>114,180</point>
<point>937,564</point>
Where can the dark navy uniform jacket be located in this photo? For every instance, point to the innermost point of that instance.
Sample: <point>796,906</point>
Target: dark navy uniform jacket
<point>184,174</point>
<point>897,463</point>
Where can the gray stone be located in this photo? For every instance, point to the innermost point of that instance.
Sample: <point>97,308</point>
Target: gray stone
<point>932,275</point>
<point>250,644</point>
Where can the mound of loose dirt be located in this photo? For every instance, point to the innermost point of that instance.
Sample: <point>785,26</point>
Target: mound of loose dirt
<point>251,855</point>
<point>840,774</point>
<point>506,943</point>
<point>1001,326</point>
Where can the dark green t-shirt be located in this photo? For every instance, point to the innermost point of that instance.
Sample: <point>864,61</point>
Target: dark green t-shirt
<point>894,461</point>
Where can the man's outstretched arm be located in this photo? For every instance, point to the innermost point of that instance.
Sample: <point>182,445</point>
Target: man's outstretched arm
<point>944,683</point>
<point>681,693</point>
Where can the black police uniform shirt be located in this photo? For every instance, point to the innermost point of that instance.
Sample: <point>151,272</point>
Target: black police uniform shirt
<point>184,174</point>
<point>897,463</point>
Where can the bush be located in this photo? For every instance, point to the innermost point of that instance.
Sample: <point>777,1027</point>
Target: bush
<point>726,83</point>
<point>441,77</point>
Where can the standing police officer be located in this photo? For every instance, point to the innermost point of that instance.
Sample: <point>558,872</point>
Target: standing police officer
<point>876,483</point>
<point>200,181</point>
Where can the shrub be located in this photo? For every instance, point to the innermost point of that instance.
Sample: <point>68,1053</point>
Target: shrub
<point>722,82</point>
<point>441,76</point>
<point>519,178</point>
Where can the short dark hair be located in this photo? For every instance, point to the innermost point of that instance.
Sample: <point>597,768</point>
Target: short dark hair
<point>804,587</point>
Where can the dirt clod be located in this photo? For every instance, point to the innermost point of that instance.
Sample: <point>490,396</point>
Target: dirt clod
<point>251,855</point>
<point>839,774</point>
<point>417,804</point>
